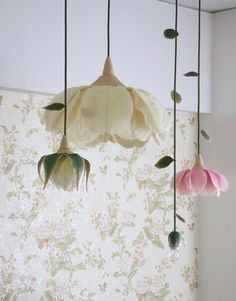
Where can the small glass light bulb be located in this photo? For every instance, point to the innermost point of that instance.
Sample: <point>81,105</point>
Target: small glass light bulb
<point>174,239</point>
<point>174,254</point>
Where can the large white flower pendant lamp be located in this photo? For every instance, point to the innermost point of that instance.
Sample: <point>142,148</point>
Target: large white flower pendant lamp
<point>107,110</point>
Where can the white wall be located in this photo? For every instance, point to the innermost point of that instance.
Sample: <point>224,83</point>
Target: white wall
<point>217,216</point>
<point>31,52</point>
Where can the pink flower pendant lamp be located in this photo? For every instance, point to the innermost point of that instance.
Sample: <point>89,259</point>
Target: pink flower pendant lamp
<point>199,181</point>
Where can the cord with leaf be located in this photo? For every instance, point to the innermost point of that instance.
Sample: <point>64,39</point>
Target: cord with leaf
<point>174,236</point>
<point>199,180</point>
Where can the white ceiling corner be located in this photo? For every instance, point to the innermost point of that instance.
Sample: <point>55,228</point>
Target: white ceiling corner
<point>207,5</point>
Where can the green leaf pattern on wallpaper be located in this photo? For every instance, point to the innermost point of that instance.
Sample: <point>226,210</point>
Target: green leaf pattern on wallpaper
<point>109,243</point>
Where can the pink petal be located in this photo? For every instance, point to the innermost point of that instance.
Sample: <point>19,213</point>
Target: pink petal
<point>224,183</point>
<point>196,181</point>
<point>210,189</point>
<point>218,180</point>
<point>180,185</point>
<point>179,176</point>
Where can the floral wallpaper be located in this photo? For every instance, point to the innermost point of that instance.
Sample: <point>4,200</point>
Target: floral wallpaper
<point>107,244</point>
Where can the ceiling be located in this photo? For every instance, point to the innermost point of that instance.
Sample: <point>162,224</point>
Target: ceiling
<point>207,5</point>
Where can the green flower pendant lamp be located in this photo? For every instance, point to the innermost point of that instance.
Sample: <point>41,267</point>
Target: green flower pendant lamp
<point>64,169</point>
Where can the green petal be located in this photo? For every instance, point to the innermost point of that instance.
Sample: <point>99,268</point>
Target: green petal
<point>49,163</point>
<point>174,239</point>
<point>78,163</point>
<point>39,167</point>
<point>86,171</point>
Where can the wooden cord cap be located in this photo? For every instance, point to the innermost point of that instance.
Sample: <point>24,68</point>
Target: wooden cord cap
<point>64,146</point>
<point>108,78</point>
<point>199,164</point>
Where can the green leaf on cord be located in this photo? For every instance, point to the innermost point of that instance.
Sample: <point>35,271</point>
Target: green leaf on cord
<point>86,171</point>
<point>78,164</point>
<point>205,135</point>
<point>49,163</point>
<point>56,106</point>
<point>191,74</point>
<point>180,218</point>
<point>164,162</point>
<point>170,33</point>
<point>176,97</point>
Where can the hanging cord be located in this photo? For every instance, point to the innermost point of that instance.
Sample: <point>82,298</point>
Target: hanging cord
<point>65,70</point>
<point>108,27</point>
<point>175,80</point>
<point>199,70</point>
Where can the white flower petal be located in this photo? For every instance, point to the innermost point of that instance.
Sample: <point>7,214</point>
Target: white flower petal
<point>118,114</point>
<point>138,129</point>
<point>107,109</point>
<point>154,113</point>
<point>54,119</point>
<point>63,175</point>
